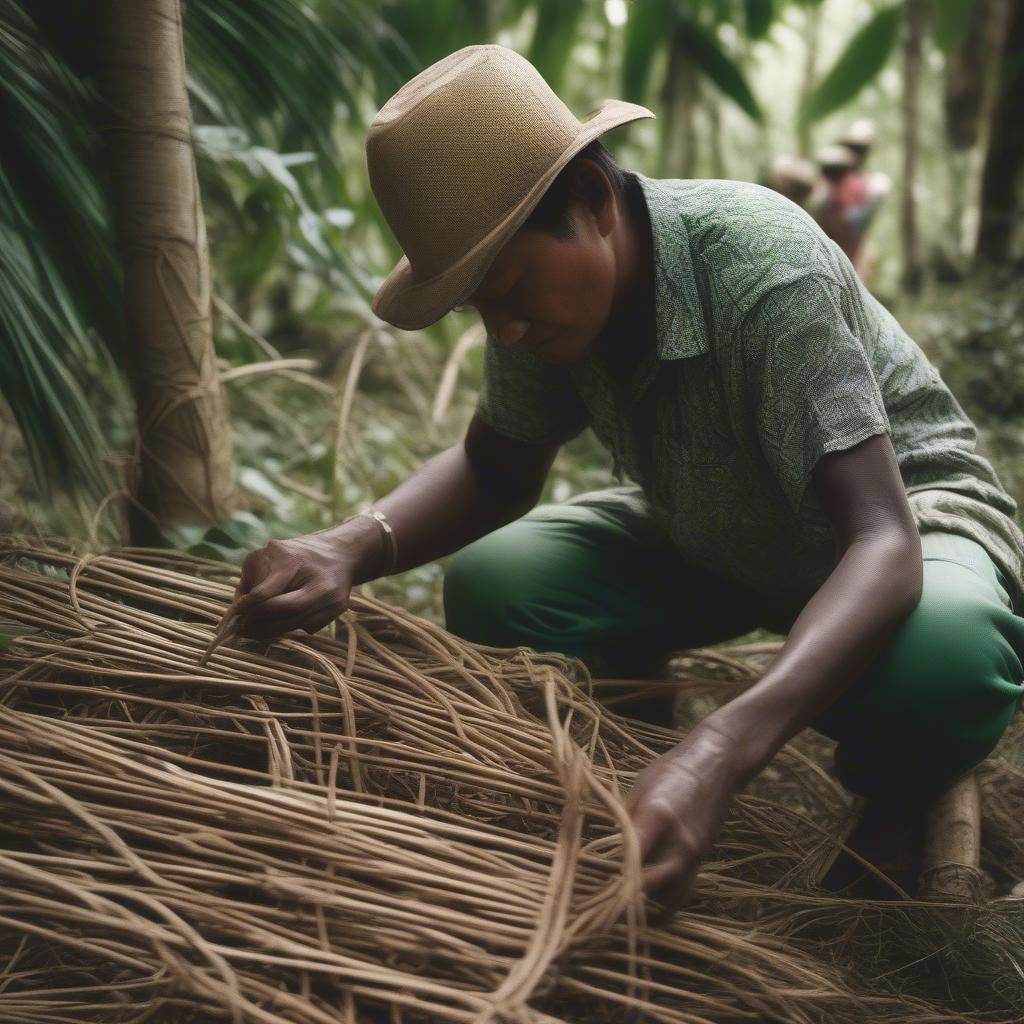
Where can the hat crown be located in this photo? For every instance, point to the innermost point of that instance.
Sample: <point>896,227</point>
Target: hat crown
<point>459,147</point>
<point>860,133</point>
<point>834,156</point>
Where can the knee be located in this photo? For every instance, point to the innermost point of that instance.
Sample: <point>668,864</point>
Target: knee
<point>953,660</point>
<point>485,583</point>
<point>944,693</point>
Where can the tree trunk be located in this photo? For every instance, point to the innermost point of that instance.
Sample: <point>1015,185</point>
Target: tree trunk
<point>485,17</point>
<point>184,471</point>
<point>913,35</point>
<point>970,85</point>
<point>966,74</point>
<point>679,130</point>
<point>1004,158</point>
<point>713,106</point>
<point>812,23</point>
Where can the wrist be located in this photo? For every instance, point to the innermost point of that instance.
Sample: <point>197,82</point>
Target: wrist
<point>745,745</point>
<point>359,542</point>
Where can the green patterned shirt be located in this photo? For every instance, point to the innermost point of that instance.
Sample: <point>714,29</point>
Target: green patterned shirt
<point>768,353</point>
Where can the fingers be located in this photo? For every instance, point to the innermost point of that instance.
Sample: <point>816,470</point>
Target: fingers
<point>670,855</point>
<point>278,581</point>
<point>255,567</point>
<point>297,609</point>
<point>308,616</point>
<point>670,899</point>
<point>658,875</point>
<point>321,619</point>
<point>650,821</point>
<point>669,883</point>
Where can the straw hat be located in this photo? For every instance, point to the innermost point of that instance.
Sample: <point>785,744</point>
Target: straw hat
<point>861,134</point>
<point>457,159</point>
<point>834,156</point>
<point>793,169</point>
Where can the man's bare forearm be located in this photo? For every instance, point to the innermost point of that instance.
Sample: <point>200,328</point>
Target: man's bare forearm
<point>842,629</point>
<point>446,504</point>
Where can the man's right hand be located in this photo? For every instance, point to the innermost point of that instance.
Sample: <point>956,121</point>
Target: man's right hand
<point>457,496</point>
<point>301,583</point>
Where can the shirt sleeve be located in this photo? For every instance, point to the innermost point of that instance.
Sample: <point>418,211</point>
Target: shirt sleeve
<point>810,381</point>
<point>529,400</point>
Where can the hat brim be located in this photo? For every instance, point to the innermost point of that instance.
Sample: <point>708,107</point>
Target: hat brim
<point>412,305</point>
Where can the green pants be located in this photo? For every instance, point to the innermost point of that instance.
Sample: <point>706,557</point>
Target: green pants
<point>595,579</point>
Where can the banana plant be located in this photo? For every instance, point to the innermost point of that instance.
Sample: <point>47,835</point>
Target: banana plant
<point>690,28</point>
<point>869,49</point>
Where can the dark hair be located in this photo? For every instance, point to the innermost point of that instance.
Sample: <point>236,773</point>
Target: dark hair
<point>551,214</point>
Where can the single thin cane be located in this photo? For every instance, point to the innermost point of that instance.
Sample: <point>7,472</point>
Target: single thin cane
<point>225,630</point>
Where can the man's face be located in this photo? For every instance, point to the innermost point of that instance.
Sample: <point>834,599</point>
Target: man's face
<point>550,296</point>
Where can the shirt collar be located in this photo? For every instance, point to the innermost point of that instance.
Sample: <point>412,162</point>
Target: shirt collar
<point>680,328</point>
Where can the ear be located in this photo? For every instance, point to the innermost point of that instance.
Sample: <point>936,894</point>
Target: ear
<point>592,194</point>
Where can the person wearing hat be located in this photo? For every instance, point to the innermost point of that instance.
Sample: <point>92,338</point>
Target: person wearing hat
<point>827,205</point>
<point>859,138</point>
<point>862,192</point>
<point>792,177</point>
<point>794,460</point>
<point>851,194</point>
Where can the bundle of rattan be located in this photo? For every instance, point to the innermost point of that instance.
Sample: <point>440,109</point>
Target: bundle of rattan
<point>388,824</point>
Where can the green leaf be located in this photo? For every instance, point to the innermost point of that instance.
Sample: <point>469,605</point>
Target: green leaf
<point>227,541</point>
<point>10,631</point>
<point>949,20</point>
<point>758,17</point>
<point>864,57</point>
<point>242,530</point>
<point>217,552</point>
<point>275,68</point>
<point>59,304</point>
<point>279,69</point>
<point>648,26</point>
<point>707,54</point>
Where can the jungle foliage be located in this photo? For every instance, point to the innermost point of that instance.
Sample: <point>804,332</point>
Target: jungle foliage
<point>330,406</point>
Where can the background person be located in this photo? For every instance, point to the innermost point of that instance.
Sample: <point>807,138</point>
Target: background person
<point>849,195</point>
<point>828,204</point>
<point>793,177</point>
<point>863,191</point>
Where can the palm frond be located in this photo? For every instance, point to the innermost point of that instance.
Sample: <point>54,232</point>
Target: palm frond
<point>281,71</point>
<point>59,312</point>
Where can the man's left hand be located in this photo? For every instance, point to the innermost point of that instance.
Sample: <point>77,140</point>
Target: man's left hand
<point>677,806</point>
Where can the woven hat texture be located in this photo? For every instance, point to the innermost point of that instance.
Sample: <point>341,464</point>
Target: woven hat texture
<point>457,160</point>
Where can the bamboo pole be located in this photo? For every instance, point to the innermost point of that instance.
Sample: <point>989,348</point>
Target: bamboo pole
<point>950,864</point>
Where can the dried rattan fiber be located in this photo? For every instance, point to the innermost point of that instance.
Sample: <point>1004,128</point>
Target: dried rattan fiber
<point>386,824</point>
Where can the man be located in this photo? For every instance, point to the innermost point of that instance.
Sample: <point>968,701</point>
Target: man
<point>792,453</point>
<point>850,195</point>
<point>792,177</point>
<point>863,191</point>
<point>827,206</point>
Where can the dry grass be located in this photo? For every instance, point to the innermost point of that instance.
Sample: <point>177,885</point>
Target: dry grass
<point>393,825</point>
